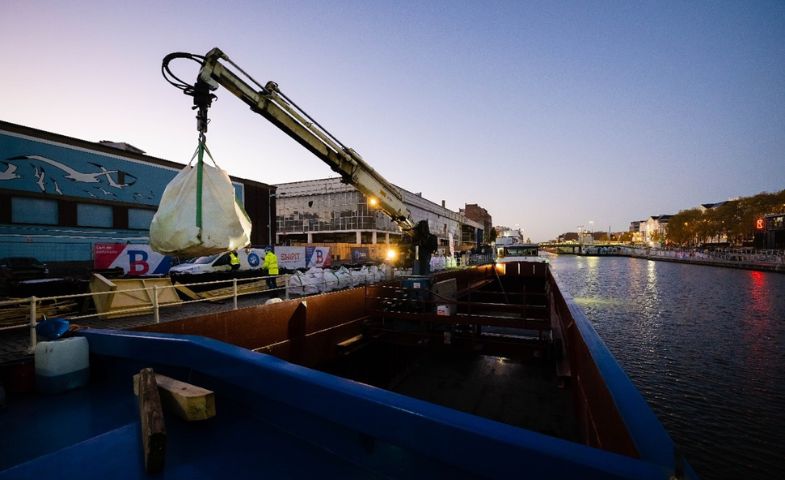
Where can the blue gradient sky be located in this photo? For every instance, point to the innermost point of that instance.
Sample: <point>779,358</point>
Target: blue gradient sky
<point>548,114</point>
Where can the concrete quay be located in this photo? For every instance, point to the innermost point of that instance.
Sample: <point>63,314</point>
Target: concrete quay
<point>766,261</point>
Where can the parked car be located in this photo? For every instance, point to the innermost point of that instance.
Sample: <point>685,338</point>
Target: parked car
<point>13,269</point>
<point>17,269</point>
<point>250,260</point>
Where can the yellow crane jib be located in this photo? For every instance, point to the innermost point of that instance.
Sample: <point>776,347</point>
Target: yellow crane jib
<point>271,103</point>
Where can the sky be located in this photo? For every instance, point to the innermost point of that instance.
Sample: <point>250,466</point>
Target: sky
<point>551,115</point>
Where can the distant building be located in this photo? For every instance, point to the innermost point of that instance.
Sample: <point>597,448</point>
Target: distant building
<point>656,229</point>
<point>329,212</point>
<point>509,235</point>
<point>637,229</point>
<point>480,215</point>
<point>772,233</point>
<point>705,207</point>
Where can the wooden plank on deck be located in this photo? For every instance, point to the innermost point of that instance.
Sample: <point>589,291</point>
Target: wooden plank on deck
<point>187,401</point>
<point>152,420</point>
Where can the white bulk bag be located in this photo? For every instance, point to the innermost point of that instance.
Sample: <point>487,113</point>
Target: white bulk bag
<point>330,280</point>
<point>316,277</point>
<point>296,284</point>
<point>344,277</point>
<point>373,274</point>
<point>225,225</point>
<point>358,277</point>
<point>302,284</point>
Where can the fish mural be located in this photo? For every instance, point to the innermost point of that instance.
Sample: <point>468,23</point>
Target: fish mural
<point>43,167</point>
<point>46,171</point>
<point>10,171</point>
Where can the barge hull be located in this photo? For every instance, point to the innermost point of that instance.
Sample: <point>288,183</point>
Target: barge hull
<point>306,421</point>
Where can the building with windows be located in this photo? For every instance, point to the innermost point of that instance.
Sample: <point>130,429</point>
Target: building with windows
<point>770,231</point>
<point>655,229</point>
<point>636,229</point>
<point>328,212</point>
<point>480,215</point>
<point>59,196</point>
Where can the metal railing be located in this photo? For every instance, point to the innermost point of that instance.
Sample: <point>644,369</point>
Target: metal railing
<point>38,307</point>
<point>152,292</point>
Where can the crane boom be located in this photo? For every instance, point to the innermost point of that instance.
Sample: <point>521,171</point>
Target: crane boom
<point>272,104</point>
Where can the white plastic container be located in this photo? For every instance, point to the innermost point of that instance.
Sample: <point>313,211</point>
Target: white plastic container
<point>62,365</point>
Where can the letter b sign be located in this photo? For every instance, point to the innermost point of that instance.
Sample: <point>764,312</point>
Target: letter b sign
<point>137,262</point>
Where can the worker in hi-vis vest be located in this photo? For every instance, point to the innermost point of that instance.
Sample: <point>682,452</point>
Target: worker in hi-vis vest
<point>271,265</point>
<point>234,261</point>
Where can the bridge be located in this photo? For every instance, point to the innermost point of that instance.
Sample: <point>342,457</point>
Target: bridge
<point>573,248</point>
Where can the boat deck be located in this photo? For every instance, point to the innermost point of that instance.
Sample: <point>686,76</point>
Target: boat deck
<point>526,395</point>
<point>522,391</point>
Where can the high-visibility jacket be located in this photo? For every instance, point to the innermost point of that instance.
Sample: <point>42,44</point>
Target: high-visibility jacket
<point>233,260</point>
<point>270,263</point>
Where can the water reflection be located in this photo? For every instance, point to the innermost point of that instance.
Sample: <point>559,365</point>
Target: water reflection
<point>759,293</point>
<point>705,346</point>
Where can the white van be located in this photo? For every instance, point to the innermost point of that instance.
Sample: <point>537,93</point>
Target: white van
<point>250,259</point>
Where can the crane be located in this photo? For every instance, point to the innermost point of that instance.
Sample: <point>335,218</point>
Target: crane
<point>271,103</point>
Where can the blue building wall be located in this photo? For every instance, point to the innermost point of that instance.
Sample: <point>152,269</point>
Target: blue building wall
<point>59,196</point>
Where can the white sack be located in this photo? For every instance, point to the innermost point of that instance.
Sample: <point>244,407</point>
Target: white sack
<point>330,280</point>
<point>302,284</point>
<point>360,277</point>
<point>225,225</point>
<point>315,276</point>
<point>373,274</point>
<point>344,277</point>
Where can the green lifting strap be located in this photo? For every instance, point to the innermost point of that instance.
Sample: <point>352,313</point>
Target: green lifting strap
<point>199,169</point>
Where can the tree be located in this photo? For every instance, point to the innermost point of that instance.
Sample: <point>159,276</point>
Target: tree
<point>734,220</point>
<point>683,227</point>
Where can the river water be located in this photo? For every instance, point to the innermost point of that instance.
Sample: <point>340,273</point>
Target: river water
<point>706,348</point>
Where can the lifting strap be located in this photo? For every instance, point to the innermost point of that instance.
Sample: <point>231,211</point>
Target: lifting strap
<point>199,154</point>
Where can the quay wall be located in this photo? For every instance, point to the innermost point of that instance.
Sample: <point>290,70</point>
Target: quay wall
<point>766,260</point>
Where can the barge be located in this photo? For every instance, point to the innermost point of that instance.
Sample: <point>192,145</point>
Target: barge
<point>486,372</point>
